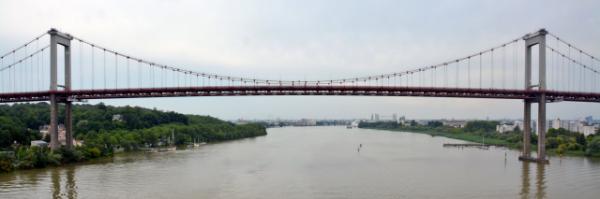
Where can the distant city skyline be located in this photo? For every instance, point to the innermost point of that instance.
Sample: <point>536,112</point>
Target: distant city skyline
<point>311,40</point>
<point>373,116</point>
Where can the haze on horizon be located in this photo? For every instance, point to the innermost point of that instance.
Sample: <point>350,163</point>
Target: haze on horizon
<point>304,40</point>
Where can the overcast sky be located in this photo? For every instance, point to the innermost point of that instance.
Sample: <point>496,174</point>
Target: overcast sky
<point>306,39</point>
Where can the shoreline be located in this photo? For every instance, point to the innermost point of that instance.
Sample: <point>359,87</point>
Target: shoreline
<point>491,141</point>
<point>104,159</point>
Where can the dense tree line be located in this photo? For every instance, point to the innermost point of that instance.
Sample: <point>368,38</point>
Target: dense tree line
<point>379,125</point>
<point>481,126</point>
<point>20,123</point>
<point>134,128</point>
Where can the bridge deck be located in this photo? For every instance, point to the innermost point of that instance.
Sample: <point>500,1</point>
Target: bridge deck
<point>300,90</point>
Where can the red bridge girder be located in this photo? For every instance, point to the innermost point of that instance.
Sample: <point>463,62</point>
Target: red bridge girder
<point>299,90</point>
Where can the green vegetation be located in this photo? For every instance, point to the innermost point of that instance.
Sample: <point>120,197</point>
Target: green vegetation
<point>558,141</point>
<point>102,135</point>
<point>593,146</point>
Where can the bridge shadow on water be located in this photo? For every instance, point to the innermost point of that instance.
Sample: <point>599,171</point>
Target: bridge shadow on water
<point>540,181</point>
<point>70,185</point>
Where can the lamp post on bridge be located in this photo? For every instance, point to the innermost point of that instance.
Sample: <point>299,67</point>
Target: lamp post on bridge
<point>538,38</point>
<point>59,38</point>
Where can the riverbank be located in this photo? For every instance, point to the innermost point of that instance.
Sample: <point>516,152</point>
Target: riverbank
<point>509,141</point>
<point>104,130</point>
<point>26,158</point>
<point>459,136</point>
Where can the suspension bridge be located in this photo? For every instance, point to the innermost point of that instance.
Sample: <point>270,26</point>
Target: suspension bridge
<point>538,67</point>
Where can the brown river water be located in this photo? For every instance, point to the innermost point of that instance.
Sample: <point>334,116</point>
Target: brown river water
<point>315,162</point>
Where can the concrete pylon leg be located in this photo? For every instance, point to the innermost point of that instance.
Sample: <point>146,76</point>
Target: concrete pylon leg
<point>527,130</point>
<point>541,150</point>
<point>54,144</point>
<point>68,104</point>
<point>69,125</point>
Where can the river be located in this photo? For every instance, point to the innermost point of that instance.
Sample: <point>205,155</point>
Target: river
<point>315,162</point>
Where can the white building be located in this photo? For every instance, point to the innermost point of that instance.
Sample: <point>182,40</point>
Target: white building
<point>354,124</point>
<point>307,122</point>
<point>503,128</point>
<point>589,130</point>
<point>519,124</point>
<point>117,117</point>
<point>62,135</point>
<point>45,131</point>
<point>376,117</point>
<point>38,143</point>
<point>580,126</point>
<point>556,123</point>
<point>513,125</point>
<point>455,123</point>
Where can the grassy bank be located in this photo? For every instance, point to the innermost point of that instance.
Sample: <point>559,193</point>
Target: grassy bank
<point>491,141</point>
<point>457,135</point>
<point>558,142</point>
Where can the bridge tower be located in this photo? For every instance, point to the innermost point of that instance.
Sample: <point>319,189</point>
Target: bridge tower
<point>531,40</point>
<point>59,38</point>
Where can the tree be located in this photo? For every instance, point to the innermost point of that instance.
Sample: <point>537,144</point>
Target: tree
<point>434,124</point>
<point>593,147</point>
<point>552,142</point>
<point>101,135</point>
<point>413,123</point>
<point>381,125</point>
<point>12,130</point>
<point>481,126</point>
<point>94,124</point>
<point>580,139</point>
<point>517,129</point>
